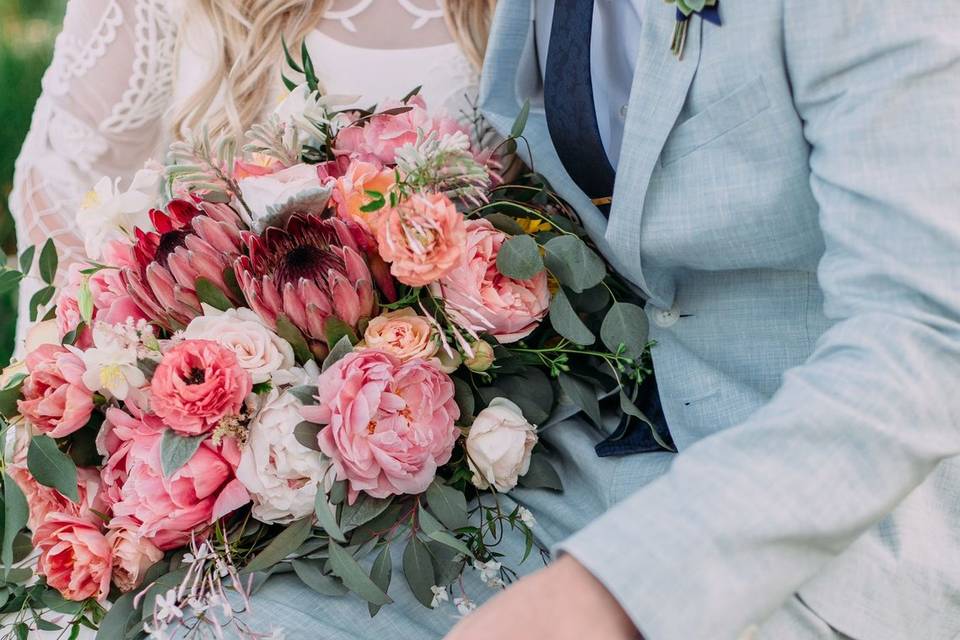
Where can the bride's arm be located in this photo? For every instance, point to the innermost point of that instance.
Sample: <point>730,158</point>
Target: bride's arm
<point>100,113</point>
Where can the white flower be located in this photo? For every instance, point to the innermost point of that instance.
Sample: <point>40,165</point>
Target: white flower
<point>464,605</point>
<point>499,445</point>
<point>439,595</point>
<point>167,608</point>
<point>281,474</point>
<point>526,517</point>
<point>259,350</point>
<point>270,196</point>
<point>107,213</point>
<point>111,364</point>
<point>489,573</point>
<point>301,108</point>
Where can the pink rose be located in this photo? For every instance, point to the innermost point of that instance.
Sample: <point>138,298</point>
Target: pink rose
<point>55,400</point>
<point>167,509</point>
<point>380,137</point>
<point>75,557</point>
<point>198,383</point>
<point>350,192</point>
<point>43,501</point>
<point>403,334</point>
<point>422,238</point>
<point>479,298</point>
<point>389,425</point>
<point>132,554</point>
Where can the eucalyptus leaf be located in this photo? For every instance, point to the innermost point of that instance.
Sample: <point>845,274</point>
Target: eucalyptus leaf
<point>52,467</point>
<point>583,394</point>
<point>15,514</point>
<point>446,538</point>
<point>428,524</point>
<point>626,324</point>
<point>289,332</point>
<point>627,406</point>
<point>338,492</point>
<point>567,323</point>
<point>530,390</point>
<point>447,504</point>
<point>311,575</point>
<point>380,573</point>
<point>365,509</point>
<point>505,223</point>
<point>573,263</point>
<point>176,450</point>
<point>121,616</point>
<point>354,578</point>
<point>209,293</point>
<point>306,434</point>
<point>519,258</point>
<point>327,517</point>
<point>48,261</point>
<point>418,570</point>
<point>463,394</point>
<point>342,347</point>
<point>335,330</point>
<point>305,393</point>
<point>541,475</point>
<point>285,543</point>
<point>447,563</point>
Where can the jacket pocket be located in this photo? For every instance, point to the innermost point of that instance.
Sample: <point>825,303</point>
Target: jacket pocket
<point>719,118</point>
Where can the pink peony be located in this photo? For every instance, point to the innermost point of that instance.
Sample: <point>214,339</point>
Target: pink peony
<point>43,501</point>
<point>422,238</point>
<point>380,137</point>
<point>198,383</point>
<point>132,554</point>
<point>389,425</point>
<point>55,400</point>
<point>75,557</point>
<point>350,192</point>
<point>117,435</point>
<point>482,300</point>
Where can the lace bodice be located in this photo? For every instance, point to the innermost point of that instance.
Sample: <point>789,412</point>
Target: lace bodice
<point>117,69</point>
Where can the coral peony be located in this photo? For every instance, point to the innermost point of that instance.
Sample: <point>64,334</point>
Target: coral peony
<point>389,425</point>
<point>43,501</point>
<point>197,384</point>
<point>350,193</point>
<point>75,557</point>
<point>55,400</point>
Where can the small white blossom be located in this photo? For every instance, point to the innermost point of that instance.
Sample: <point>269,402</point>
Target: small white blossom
<point>167,608</point>
<point>111,364</point>
<point>107,213</point>
<point>464,605</point>
<point>526,517</point>
<point>439,595</point>
<point>489,573</point>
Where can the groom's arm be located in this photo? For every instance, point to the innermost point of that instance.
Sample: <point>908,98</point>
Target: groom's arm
<point>745,517</point>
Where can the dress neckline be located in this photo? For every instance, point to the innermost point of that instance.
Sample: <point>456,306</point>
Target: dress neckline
<point>346,45</point>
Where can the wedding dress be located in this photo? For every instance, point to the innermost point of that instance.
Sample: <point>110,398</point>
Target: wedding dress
<point>117,69</point>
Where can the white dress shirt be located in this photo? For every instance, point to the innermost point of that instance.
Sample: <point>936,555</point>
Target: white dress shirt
<point>613,57</point>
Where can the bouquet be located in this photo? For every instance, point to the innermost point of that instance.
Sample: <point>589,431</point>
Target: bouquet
<point>331,339</point>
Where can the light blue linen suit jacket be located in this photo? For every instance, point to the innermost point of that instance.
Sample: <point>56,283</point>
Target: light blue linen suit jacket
<point>788,197</point>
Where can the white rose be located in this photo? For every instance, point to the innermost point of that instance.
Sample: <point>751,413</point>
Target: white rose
<point>281,474</point>
<point>107,213</point>
<point>499,445</point>
<point>259,350</point>
<point>301,108</point>
<point>269,196</point>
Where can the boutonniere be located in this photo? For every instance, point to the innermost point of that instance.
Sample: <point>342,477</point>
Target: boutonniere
<point>706,9</point>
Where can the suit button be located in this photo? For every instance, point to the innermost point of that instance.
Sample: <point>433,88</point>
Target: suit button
<point>665,318</point>
<point>623,111</point>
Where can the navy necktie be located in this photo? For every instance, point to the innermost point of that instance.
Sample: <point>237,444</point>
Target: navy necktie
<point>568,101</point>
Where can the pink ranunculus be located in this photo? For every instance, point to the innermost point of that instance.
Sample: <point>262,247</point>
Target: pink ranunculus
<point>380,137</point>
<point>167,509</point>
<point>75,557</point>
<point>389,425</point>
<point>43,501</point>
<point>422,238</point>
<point>482,300</point>
<point>350,192</point>
<point>197,384</point>
<point>55,400</point>
<point>132,554</point>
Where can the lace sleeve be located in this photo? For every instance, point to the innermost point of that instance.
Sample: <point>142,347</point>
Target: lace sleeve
<point>99,114</point>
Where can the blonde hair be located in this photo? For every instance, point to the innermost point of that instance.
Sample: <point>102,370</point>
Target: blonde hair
<point>242,76</point>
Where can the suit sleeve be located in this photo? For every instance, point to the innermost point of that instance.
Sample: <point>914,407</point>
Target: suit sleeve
<point>745,517</point>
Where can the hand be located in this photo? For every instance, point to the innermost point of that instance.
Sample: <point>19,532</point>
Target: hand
<point>561,602</point>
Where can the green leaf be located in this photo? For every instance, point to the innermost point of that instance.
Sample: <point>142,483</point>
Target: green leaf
<point>289,58</point>
<point>15,514</point>
<point>349,570</point>
<point>629,408</point>
<point>8,399</point>
<point>327,518</point>
<point>305,393</point>
<point>573,263</point>
<point>365,509</point>
<point>40,298</point>
<point>341,348</point>
<point>463,395</point>
<point>413,92</point>
<point>583,395</point>
<point>449,540</point>
<point>521,122</point>
<point>447,563</point>
<point>230,280</point>
<point>289,332</point>
<point>335,330</point>
<point>56,602</point>
<point>22,630</point>
<point>338,492</point>
<point>26,258</point>
<point>626,324</point>
<point>70,337</point>
<point>308,71</point>
<point>311,575</point>
<point>19,576</point>
<point>530,390</point>
<point>519,258</point>
<point>52,467</point>
<point>176,450</point>
<point>590,301</point>
<point>48,261</point>
<point>505,223</point>
<point>211,294</point>
<point>121,616</point>
<point>380,573</point>
<point>9,279</point>
<point>447,504</point>
<point>541,475</point>
<point>285,543</point>
<point>85,300</point>
<point>306,434</point>
<point>418,570</point>
<point>567,323</point>
<point>377,201</point>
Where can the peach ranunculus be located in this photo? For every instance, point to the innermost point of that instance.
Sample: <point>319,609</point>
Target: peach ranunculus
<point>197,384</point>
<point>403,334</point>
<point>132,554</point>
<point>422,238</point>
<point>482,300</point>
<point>350,192</point>
<point>43,501</point>
<point>75,557</point>
<point>55,400</point>
<point>389,425</point>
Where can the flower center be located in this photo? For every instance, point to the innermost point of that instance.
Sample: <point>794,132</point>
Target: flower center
<point>196,376</point>
<point>169,242</point>
<point>305,261</point>
<point>111,376</point>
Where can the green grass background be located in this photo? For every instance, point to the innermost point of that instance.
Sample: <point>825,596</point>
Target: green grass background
<point>27,31</point>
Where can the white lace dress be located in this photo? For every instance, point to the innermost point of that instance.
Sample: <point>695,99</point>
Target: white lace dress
<point>117,69</point>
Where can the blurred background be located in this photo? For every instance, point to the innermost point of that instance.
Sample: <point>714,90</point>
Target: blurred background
<point>27,31</point>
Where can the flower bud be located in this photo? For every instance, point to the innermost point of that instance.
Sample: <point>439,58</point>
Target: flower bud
<point>482,357</point>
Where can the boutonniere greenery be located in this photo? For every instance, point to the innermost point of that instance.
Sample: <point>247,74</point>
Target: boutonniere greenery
<point>706,9</point>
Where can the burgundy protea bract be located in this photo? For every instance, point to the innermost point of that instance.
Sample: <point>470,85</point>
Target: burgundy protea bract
<point>311,270</point>
<point>189,241</point>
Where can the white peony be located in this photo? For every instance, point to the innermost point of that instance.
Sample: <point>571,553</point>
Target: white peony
<point>281,474</point>
<point>259,350</point>
<point>499,446</point>
<point>107,213</point>
<point>273,195</point>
